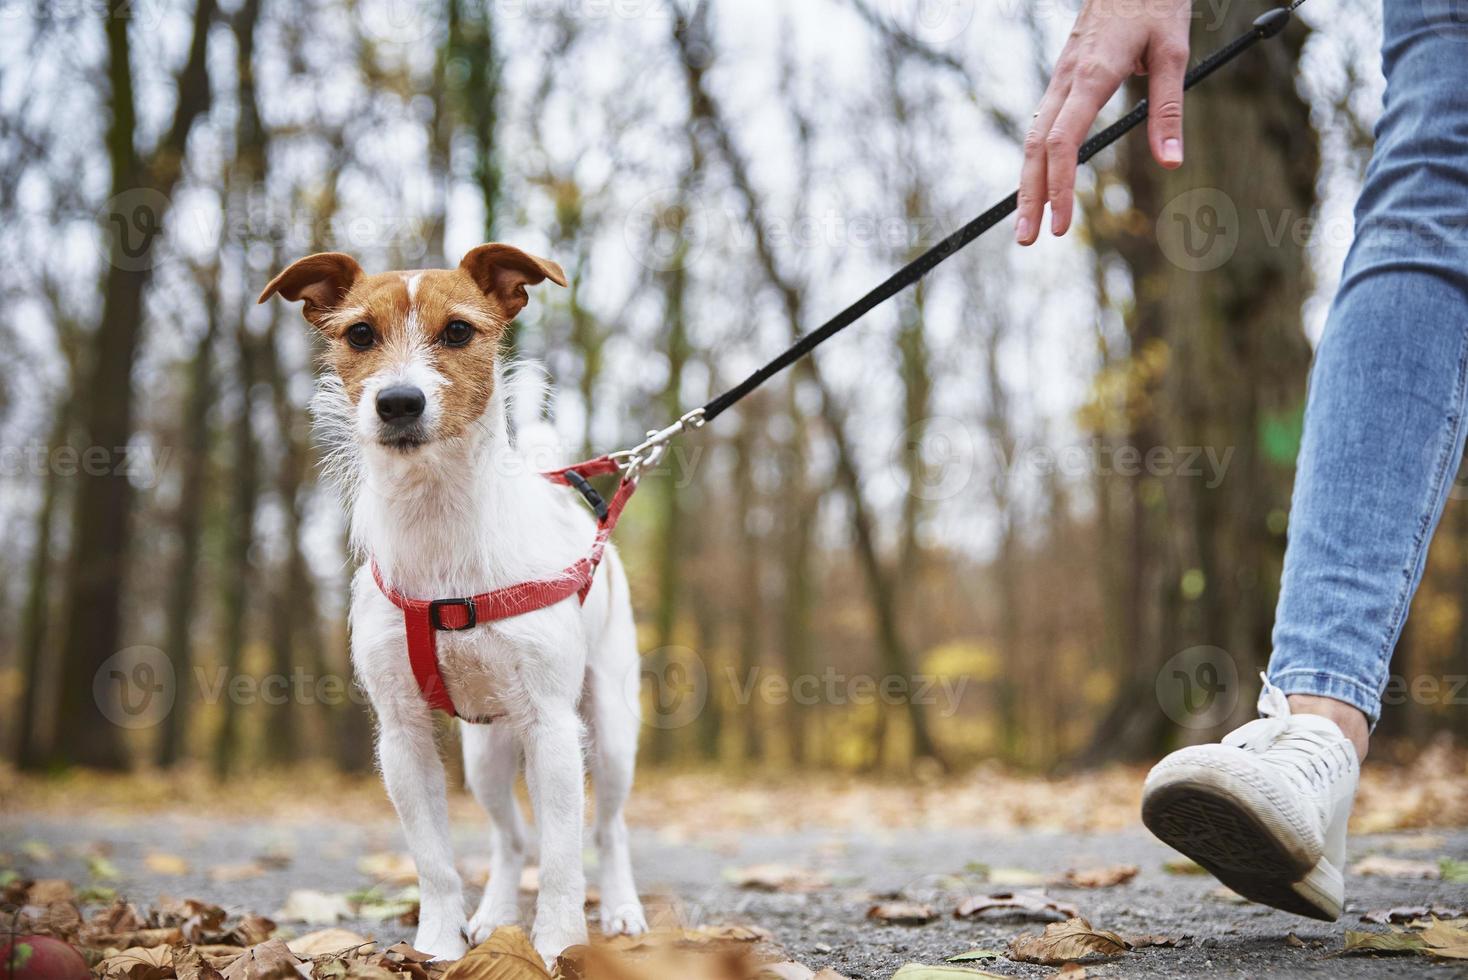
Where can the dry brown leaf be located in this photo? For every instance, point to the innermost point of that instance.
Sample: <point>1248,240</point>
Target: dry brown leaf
<point>1446,939</point>
<point>250,930</point>
<point>788,970</point>
<point>1107,877</point>
<point>1016,904</point>
<point>166,864</point>
<point>1071,971</point>
<point>1066,942</point>
<point>902,913</point>
<point>270,960</point>
<point>506,955</point>
<point>315,907</point>
<point>190,964</point>
<point>235,872</point>
<point>326,942</point>
<point>389,867</point>
<point>49,891</point>
<point>1145,941</point>
<point>60,920</point>
<point>1390,867</point>
<point>1409,913</point>
<point>1383,942</point>
<point>777,878</point>
<point>138,963</point>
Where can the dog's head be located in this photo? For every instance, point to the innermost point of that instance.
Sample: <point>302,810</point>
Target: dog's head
<point>414,351</point>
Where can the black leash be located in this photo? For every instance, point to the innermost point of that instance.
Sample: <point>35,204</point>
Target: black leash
<point>632,462</point>
<point>1265,26</point>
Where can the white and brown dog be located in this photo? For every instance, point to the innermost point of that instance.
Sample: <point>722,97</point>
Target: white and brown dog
<point>414,410</point>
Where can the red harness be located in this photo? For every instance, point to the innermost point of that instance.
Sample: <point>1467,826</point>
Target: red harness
<point>424,618</point>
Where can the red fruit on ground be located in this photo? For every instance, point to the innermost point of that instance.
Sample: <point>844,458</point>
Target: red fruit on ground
<point>41,958</point>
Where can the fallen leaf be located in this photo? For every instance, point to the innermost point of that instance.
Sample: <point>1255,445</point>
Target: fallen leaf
<point>921,971</point>
<point>315,908</point>
<point>787,970</point>
<point>1016,877</point>
<point>138,963</point>
<point>235,872</point>
<point>250,930</point>
<point>1453,870</point>
<point>1071,971</point>
<point>166,864</point>
<point>1446,939</point>
<point>973,955</point>
<point>1065,942</point>
<point>324,942</point>
<point>1228,895</point>
<point>1390,867</point>
<point>506,955</point>
<point>190,964</point>
<point>270,960</point>
<point>1116,874</point>
<point>902,913</point>
<point>49,891</point>
<point>1410,843</point>
<point>390,868</point>
<point>1183,866</point>
<point>1016,904</point>
<point>1383,942</point>
<point>776,878</point>
<point>1408,913</point>
<point>37,851</point>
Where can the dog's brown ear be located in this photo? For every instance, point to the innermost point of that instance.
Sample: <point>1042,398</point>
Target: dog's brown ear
<point>503,272</point>
<point>319,281</point>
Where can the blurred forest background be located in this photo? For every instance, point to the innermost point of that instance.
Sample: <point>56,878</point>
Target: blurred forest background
<point>938,494</point>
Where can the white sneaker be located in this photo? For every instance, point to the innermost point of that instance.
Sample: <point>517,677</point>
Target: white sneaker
<point>1265,812</point>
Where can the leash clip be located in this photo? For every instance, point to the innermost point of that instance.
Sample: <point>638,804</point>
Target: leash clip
<point>650,451</point>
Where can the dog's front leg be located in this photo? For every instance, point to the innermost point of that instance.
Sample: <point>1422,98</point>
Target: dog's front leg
<point>553,770</point>
<point>413,772</point>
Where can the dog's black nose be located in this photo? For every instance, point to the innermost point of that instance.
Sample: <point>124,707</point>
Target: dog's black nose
<point>401,403</point>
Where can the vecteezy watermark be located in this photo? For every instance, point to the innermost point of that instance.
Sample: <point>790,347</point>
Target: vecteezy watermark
<point>135,687</point>
<point>836,688</point>
<point>1199,687</point>
<point>143,465</point>
<point>679,683</point>
<point>931,21</point>
<point>132,228</point>
<point>1198,230</point>
<point>947,460</point>
<point>1426,689</point>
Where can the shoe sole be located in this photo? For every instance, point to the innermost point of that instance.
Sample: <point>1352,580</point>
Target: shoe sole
<point>1233,835</point>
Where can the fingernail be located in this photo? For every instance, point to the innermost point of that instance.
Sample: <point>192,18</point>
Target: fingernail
<point>1057,227</point>
<point>1172,150</point>
<point>1022,230</point>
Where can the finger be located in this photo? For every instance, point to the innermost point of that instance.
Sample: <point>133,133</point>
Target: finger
<point>1168,63</point>
<point>1031,208</point>
<point>1088,94</point>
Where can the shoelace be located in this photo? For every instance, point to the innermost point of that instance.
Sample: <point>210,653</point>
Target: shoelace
<point>1309,751</point>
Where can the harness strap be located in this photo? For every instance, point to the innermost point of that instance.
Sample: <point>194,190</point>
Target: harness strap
<point>425,618</point>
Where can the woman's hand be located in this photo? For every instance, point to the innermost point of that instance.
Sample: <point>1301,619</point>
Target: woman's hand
<point>1111,40</point>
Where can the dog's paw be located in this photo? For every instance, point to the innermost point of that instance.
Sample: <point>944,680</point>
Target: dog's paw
<point>441,942</point>
<point>486,920</point>
<point>623,919</point>
<point>553,939</point>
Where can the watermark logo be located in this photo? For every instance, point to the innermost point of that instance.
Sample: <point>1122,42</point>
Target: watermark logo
<point>666,229</point>
<point>945,453</point>
<point>1199,687</point>
<point>931,21</point>
<point>1198,230</point>
<point>399,21</point>
<point>679,684</point>
<point>1448,18</point>
<point>132,228</point>
<point>135,687</point>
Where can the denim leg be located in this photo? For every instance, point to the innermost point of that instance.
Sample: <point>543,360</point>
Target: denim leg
<point>1384,421</point>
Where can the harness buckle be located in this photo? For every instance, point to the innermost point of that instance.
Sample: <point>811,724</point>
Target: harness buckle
<point>471,613</point>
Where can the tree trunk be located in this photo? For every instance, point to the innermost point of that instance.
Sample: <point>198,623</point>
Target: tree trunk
<point>36,620</point>
<point>103,502</point>
<point>188,524</point>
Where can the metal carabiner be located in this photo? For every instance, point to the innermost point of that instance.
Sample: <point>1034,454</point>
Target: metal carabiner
<point>649,452</point>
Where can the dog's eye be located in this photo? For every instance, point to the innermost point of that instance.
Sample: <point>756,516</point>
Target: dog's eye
<point>360,336</point>
<point>457,334</point>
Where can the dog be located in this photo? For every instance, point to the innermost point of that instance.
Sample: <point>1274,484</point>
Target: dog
<point>413,410</point>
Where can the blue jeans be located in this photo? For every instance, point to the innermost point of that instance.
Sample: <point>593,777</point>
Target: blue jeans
<point>1384,422</point>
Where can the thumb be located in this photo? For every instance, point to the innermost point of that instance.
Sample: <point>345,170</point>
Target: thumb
<point>1167,65</point>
